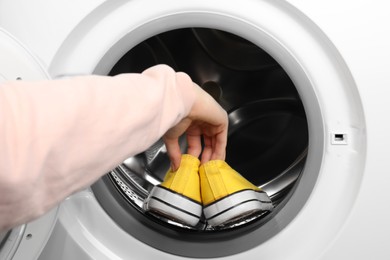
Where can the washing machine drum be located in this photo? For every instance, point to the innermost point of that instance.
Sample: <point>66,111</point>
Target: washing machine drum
<point>17,63</point>
<point>266,116</point>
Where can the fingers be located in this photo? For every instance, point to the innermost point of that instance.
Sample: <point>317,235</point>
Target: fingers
<point>194,144</point>
<point>214,148</point>
<point>219,143</point>
<point>207,120</point>
<point>174,152</point>
<point>207,149</point>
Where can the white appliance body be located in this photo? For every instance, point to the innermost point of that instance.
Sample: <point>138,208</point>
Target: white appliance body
<point>337,54</point>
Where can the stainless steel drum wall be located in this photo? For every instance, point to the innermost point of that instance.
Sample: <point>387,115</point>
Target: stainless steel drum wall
<point>268,134</point>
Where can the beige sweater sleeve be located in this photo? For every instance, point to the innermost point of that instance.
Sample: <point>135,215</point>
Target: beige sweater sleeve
<point>59,136</point>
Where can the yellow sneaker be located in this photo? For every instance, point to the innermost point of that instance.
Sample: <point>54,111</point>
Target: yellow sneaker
<point>178,196</point>
<point>227,196</point>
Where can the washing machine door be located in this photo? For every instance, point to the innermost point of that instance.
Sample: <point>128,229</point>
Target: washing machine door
<point>28,240</point>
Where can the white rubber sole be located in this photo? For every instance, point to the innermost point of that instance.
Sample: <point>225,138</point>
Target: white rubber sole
<point>237,206</point>
<point>173,205</point>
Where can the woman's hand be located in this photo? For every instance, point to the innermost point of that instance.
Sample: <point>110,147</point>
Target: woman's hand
<point>207,120</point>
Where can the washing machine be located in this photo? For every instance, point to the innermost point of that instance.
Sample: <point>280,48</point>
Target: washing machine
<point>305,86</point>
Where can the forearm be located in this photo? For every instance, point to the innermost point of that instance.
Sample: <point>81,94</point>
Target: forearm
<point>57,137</point>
